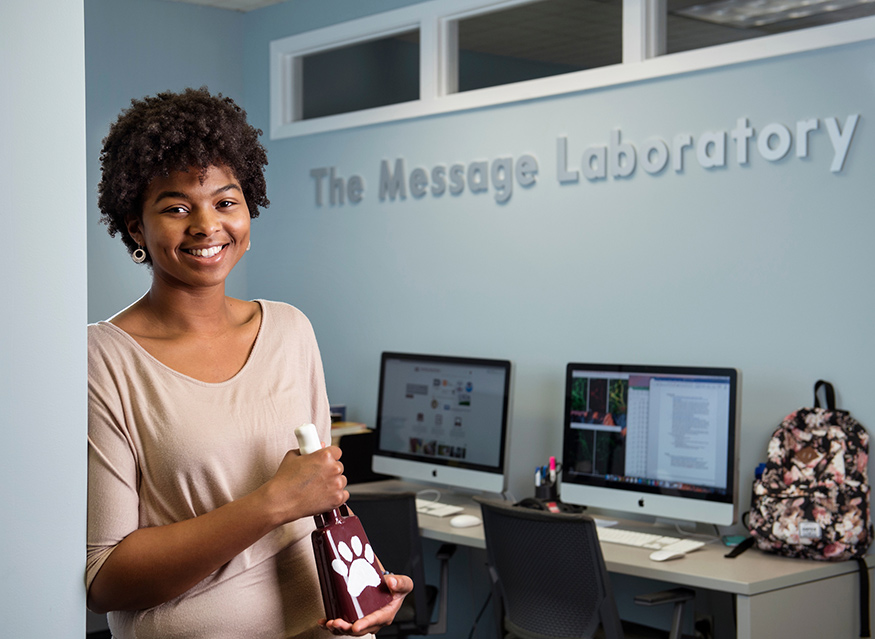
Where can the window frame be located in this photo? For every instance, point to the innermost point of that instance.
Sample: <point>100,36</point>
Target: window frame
<point>436,21</point>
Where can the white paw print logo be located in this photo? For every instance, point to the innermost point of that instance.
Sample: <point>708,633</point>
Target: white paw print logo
<point>359,571</point>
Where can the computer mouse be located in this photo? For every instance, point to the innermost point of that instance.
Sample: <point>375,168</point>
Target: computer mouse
<point>465,521</point>
<point>666,554</point>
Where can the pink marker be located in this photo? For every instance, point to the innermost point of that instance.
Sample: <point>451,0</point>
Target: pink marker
<point>552,470</point>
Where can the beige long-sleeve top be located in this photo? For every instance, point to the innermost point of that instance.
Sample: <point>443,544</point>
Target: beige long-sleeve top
<point>165,447</point>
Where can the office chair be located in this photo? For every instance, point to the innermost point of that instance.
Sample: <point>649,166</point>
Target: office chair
<point>549,578</point>
<point>389,519</point>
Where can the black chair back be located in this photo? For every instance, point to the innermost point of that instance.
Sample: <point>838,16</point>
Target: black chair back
<point>549,573</point>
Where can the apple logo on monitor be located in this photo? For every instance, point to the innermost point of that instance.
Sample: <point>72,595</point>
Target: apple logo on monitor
<point>641,502</point>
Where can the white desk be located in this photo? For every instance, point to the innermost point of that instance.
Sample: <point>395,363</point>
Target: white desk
<point>775,597</point>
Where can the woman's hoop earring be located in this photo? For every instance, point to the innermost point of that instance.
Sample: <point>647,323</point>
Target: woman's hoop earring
<point>139,255</point>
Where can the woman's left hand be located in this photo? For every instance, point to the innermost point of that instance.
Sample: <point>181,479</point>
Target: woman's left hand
<point>399,585</point>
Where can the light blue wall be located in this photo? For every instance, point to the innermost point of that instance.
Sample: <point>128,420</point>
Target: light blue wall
<point>763,267</point>
<point>42,349</point>
<point>136,48</point>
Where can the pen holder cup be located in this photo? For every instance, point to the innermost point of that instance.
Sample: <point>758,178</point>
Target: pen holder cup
<point>547,491</point>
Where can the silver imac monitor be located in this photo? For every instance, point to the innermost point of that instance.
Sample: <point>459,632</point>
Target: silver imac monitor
<point>660,441</point>
<point>443,419</point>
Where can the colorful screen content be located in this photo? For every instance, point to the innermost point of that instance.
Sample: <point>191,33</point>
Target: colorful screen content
<point>651,430</point>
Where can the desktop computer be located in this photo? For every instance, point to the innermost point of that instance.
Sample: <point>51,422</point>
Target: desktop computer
<point>660,441</point>
<point>444,420</point>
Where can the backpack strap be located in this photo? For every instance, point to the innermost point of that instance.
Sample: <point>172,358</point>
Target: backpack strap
<point>865,631</point>
<point>864,597</point>
<point>828,391</point>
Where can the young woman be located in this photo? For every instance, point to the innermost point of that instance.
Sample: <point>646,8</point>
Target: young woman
<point>200,507</point>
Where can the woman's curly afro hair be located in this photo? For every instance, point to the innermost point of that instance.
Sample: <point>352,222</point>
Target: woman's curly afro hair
<point>172,132</point>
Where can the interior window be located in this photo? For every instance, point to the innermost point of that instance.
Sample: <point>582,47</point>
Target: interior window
<point>418,56</point>
<point>538,40</point>
<point>694,24</point>
<point>361,76</point>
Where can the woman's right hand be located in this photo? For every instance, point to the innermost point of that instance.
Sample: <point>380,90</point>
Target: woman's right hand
<point>306,485</point>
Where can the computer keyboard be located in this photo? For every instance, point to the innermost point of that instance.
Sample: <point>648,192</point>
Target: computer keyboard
<point>436,509</point>
<point>646,540</point>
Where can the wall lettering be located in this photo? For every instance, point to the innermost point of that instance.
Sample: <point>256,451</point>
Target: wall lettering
<point>479,177</point>
<point>619,159</point>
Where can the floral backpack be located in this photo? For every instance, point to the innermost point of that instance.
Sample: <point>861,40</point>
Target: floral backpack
<point>812,499</point>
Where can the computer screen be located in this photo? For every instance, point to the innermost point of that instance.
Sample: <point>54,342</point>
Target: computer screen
<point>655,440</point>
<point>443,419</point>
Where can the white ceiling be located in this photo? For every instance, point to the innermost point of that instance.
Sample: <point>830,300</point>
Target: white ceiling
<point>591,28</point>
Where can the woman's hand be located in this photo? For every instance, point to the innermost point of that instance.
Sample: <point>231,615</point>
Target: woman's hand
<point>306,485</point>
<point>399,586</point>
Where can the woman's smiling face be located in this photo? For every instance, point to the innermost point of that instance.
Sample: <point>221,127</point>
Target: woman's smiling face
<point>194,229</point>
